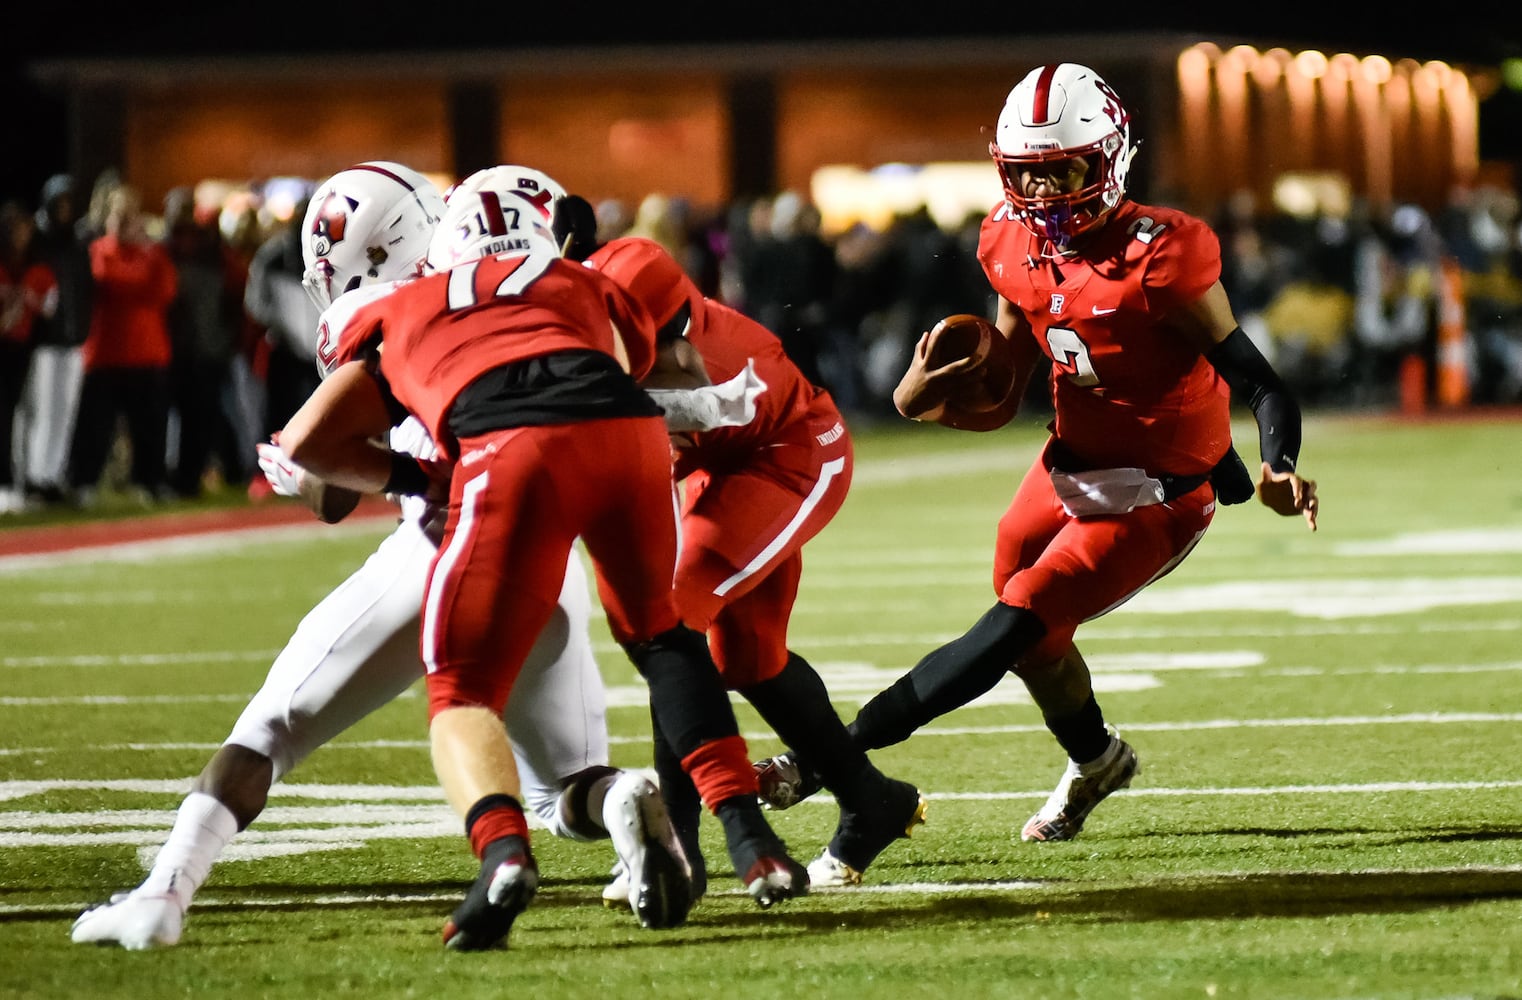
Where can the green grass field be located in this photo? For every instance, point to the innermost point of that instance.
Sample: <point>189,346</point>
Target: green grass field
<point>1330,804</point>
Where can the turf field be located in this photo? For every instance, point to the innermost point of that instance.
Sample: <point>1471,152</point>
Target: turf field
<point>1330,803</point>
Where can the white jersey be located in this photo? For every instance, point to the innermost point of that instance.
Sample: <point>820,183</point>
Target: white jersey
<point>408,436</point>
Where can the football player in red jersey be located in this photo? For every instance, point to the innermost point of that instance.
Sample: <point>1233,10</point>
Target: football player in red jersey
<point>1125,301</point>
<point>522,367</point>
<point>754,495</point>
<point>368,227</point>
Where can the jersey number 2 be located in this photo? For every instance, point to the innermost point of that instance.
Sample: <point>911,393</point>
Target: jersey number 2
<point>1071,355</point>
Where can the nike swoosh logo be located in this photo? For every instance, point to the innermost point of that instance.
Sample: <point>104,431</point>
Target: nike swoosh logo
<point>1104,312</point>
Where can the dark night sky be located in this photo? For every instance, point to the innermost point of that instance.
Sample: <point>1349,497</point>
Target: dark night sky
<point>52,29</point>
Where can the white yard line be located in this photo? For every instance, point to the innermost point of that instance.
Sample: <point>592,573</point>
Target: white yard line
<point>1197,725</point>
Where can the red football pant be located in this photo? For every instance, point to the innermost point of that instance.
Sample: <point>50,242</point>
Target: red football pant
<point>742,538</point>
<point>519,499</point>
<point>1069,570</point>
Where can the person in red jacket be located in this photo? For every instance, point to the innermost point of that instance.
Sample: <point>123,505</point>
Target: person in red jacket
<point>28,289</point>
<point>127,354</point>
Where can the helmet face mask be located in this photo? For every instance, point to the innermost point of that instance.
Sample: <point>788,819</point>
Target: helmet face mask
<point>500,211</point>
<point>1063,112</point>
<point>367,224</point>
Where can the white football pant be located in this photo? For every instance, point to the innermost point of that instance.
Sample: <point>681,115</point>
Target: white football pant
<point>358,649</point>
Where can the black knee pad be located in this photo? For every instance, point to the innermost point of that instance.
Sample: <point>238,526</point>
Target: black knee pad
<point>574,812</point>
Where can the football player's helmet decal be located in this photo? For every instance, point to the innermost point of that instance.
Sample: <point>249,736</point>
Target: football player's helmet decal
<point>503,211</point>
<point>1058,112</point>
<point>367,224</point>
<point>332,220</point>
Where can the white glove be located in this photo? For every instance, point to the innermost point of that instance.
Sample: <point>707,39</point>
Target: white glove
<point>284,475</point>
<point>728,404</point>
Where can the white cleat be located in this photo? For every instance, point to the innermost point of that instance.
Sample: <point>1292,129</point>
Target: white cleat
<point>657,878</point>
<point>615,895</point>
<point>1083,786</point>
<point>827,871</point>
<point>136,922</point>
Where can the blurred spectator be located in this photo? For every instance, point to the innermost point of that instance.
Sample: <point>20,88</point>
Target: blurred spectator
<point>243,237</point>
<point>51,399</point>
<point>27,290</point>
<point>1393,302</point>
<point>791,285</point>
<point>93,225</point>
<point>929,271</point>
<point>276,300</point>
<point>661,219</point>
<point>1309,325</point>
<point>205,322</point>
<point>127,354</point>
<point>1492,274</point>
<point>864,289</point>
<point>613,219</point>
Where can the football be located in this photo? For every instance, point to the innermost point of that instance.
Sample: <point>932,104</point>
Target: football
<point>993,369</point>
<point>331,504</point>
<point>961,336</point>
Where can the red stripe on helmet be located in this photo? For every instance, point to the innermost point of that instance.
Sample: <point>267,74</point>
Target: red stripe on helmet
<point>1041,113</point>
<point>383,172</point>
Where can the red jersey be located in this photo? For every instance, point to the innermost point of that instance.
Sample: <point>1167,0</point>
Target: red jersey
<point>1129,390</point>
<point>134,284</point>
<point>727,339</point>
<point>22,300</point>
<point>442,332</point>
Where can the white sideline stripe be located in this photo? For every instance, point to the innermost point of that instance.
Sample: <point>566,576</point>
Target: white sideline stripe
<point>865,474</point>
<point>886,888</point>
<point>641,740</point>
<point>1304,722</point>
<point>141,659</point>
<point>926,640</point>
<point>123,699</point>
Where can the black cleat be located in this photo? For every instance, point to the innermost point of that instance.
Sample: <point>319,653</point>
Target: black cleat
<point>508,881</point>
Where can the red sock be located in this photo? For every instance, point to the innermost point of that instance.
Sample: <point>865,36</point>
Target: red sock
<point>721,769</point>
<point>495,817</point>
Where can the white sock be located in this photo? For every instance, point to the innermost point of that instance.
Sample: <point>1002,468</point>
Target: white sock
<point>202,828</point>
<point>1104,760</point>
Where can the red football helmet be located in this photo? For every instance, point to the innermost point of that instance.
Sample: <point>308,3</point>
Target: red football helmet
<point>648,272</point>
<point>1060,112</point>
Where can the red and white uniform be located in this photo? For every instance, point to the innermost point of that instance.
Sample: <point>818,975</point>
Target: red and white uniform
<point>1129,392</point>
<point>522,494</point>
<point>357,650</point>
<point>753,495</point>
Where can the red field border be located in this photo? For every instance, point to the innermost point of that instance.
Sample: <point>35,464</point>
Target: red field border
<point>275,512</point>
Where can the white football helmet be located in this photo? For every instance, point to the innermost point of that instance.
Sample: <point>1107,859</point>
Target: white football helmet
<point>1063,111</point>
<point>367,224</point>
<point>507,210</point>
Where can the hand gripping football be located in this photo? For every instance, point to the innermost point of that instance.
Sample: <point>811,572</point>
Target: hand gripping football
<point>988,379</point>
<point>961,336</point>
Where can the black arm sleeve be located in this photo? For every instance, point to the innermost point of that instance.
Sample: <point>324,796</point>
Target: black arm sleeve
<point>1250,375</point>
